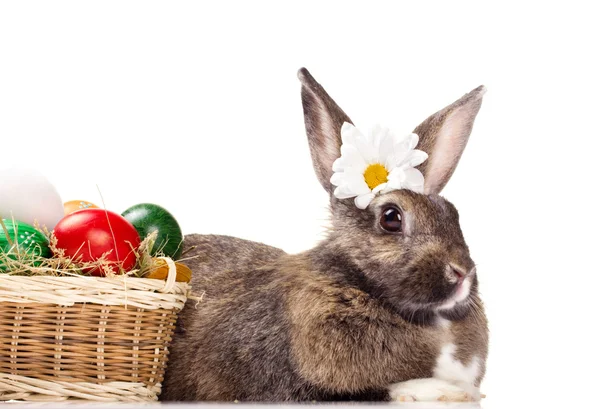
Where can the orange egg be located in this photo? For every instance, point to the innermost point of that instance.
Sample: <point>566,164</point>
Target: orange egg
<point>75,205</point>
<point>160,270</point>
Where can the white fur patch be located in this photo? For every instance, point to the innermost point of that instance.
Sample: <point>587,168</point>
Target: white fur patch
<point>443,322</point>
<point>452,381</point>
<point>451,369</point>
<point>427,390</point>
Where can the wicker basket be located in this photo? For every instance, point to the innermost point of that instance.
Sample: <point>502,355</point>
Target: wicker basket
<point>92,338</point>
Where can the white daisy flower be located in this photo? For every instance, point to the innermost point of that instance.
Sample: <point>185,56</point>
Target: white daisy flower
<point>378,163</point>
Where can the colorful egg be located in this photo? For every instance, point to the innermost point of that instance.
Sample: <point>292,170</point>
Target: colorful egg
<point>147,218</point>
<point>160,271</point>
<point>26,195</point>
<point>75,205</point>
<point>23,241</point>
<point>90,233</point>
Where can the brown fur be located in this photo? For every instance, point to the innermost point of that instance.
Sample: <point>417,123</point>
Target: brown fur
<point>341,321</point>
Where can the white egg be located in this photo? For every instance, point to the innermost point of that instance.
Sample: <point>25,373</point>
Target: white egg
<point>26,195</point>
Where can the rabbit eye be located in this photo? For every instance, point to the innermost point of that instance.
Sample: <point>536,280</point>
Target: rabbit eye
<point>391,220</point>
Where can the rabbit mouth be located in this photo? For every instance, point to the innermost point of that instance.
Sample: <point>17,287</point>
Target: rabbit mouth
<point>452,307</point>
<point>459,295</point>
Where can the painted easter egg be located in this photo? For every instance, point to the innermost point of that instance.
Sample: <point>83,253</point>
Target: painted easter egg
<point>21,241</point>
<point>90,233</point>
<point>160,271</point>
<point>148,217</point>
<point>26,195</point>
<point>75,205</point>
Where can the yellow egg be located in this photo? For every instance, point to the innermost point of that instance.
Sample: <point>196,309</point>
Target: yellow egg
<point>74,205</point>
<point>160,270</point>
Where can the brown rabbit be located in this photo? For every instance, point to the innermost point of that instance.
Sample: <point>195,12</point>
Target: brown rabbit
<point>379,310</point>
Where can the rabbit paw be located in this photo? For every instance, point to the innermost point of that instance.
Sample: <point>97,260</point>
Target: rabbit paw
<point>431,389</point>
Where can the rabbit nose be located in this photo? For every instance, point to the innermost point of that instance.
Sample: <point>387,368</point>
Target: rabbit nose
<point>459,272</point>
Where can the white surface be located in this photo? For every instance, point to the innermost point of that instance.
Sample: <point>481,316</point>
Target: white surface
<point>196,106</point>
<point>410,405</point>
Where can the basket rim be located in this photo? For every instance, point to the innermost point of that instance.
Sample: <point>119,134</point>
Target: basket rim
<point>123,277</point>
<point>149,293</point>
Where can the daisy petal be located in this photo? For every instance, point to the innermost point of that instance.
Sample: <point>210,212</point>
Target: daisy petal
<point>390,162</point>
<point>363,201</point>
<point>400,152</point>
<point>351,157</point>
<point>413,140</point>
<point>337,178</point>
<point>379,188</point>
<point>386,145</point>
<point>347,127</point>
<point>338,165</point>
<point>342,192</point>
<point>414,178</point>
<point>366,150</point>
<point>356,182</point>
<point>414,158</point>
<point>376,136</point>
<point>388,189</point>
<point>350,134</point>
<point>396,178</point>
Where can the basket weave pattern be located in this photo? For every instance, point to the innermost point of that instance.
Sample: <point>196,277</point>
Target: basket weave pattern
<point>103,339</point>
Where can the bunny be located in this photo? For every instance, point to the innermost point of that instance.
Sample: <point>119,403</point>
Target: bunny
<point>385,308</point>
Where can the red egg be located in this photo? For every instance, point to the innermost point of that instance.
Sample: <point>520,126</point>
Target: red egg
<point>90,233</point>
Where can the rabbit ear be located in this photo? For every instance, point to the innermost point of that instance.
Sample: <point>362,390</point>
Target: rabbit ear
<point>444,136</point>
<point>323,119</point>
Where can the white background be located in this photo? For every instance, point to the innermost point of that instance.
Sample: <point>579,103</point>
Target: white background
<point>196,106</point>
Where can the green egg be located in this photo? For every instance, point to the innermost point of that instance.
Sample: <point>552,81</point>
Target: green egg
<point>25,241</point>
<point>148,217</point>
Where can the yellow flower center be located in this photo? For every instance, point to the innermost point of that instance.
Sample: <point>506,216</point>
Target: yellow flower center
<point>375,175</point>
